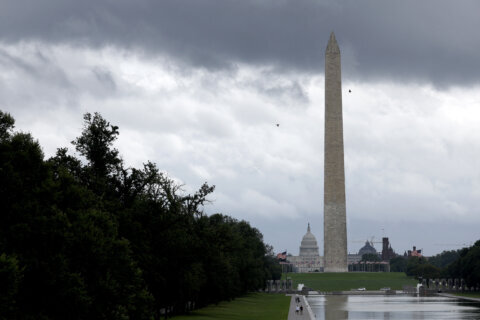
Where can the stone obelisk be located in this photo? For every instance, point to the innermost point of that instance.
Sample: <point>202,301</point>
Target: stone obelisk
<point>335,224</point>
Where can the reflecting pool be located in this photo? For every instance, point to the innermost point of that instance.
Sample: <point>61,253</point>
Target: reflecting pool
<point>333,307</point>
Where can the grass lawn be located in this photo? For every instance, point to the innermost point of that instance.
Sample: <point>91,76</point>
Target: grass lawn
<point>256,306</point>
<point>352,280</point>
<point>468,295</point>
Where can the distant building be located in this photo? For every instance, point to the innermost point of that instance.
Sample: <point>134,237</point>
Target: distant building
<point>369,266</point>
<point>355,263</point>
<point>387,251</point>
<point>353,258</point>
<point>367,249</point>
<point>309,259</point>
<point>413,253</point>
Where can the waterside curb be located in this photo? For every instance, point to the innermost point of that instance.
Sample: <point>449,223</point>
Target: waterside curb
<point>458,297</point>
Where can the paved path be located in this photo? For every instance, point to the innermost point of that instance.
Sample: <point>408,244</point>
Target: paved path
<point>298,316</point>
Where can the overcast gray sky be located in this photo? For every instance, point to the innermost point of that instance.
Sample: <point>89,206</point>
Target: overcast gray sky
<point>199,86</point>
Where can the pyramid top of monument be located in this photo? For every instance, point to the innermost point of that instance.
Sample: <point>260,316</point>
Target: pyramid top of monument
<point>332,46</point>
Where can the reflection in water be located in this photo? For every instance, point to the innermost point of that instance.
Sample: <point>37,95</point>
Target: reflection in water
<point>337,307</point>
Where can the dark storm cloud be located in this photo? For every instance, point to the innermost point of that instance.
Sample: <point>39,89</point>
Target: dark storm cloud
<point>432,41</point>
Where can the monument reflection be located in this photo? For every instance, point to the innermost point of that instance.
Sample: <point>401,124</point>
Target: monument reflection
<point>336,307</point>
<point>333,307</point>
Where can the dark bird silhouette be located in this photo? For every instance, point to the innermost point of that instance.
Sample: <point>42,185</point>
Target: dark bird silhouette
<point>278,124</point>
<point>350,91</point>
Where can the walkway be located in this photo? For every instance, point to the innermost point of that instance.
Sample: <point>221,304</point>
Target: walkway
<point>292,315</point>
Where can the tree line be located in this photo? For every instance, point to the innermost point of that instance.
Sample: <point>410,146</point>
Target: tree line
<point>461,264</point>
<point>83,236</point>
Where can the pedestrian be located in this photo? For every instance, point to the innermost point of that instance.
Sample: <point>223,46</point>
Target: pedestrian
<point>301,309</point>
<point>297,309</point>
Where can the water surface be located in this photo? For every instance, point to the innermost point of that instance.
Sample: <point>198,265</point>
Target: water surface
<point>337,307</point>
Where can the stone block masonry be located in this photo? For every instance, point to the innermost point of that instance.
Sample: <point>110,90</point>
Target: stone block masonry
<point>335,224</point>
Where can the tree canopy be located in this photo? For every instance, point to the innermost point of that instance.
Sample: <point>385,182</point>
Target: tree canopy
<point>444,259</point>
<point>85,237</point>
<point>398,264</point>
<point>461,264</point>
<point>370,257</point>
<point>467,266</point>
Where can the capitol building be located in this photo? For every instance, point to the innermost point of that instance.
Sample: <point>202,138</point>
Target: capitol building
<point>309,259</point>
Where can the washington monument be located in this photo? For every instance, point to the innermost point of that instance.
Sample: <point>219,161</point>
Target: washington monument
<point>334,223</point>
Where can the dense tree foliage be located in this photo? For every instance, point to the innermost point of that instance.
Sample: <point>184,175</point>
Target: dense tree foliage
<point>10,277</point>
<point>467,266</point>
<point>398,264</point>
<point>419,267</point>
<point>370,257</point>
<point>444,259</point>
<point>460,264</point>
<point>89,238</point>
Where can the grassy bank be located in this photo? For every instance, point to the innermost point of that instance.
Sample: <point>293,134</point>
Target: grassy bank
<point>352,280</point>
<point>257,306</point>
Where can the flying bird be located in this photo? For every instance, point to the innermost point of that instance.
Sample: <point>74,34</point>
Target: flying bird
<point>278,124</point>
<point>349,90</point>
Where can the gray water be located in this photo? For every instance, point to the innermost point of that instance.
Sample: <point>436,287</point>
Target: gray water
<point>337,307</point>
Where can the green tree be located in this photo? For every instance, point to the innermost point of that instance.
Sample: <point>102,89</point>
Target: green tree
<point>90,238</point>
<point>74,264</point>
<point>103,162</point>
<point>413,264</point>
<point>428,271</point>
<point>398,264</point>
<point>370,257</point>
<point>467,266</point>
<point>96,143</point>
<point>11,276</point>
<point>419,267</point>
<point>7,123</point>
<point>443,259</point>
<point>273,269</point>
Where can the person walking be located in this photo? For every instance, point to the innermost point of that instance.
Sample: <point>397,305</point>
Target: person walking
<point>301,309</point>
<point>296,310</point>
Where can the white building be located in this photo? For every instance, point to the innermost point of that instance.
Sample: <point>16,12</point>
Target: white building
<point>309,259</point>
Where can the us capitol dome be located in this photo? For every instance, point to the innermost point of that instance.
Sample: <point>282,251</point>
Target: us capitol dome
<point>309,259</point>
<point>308,246</point>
